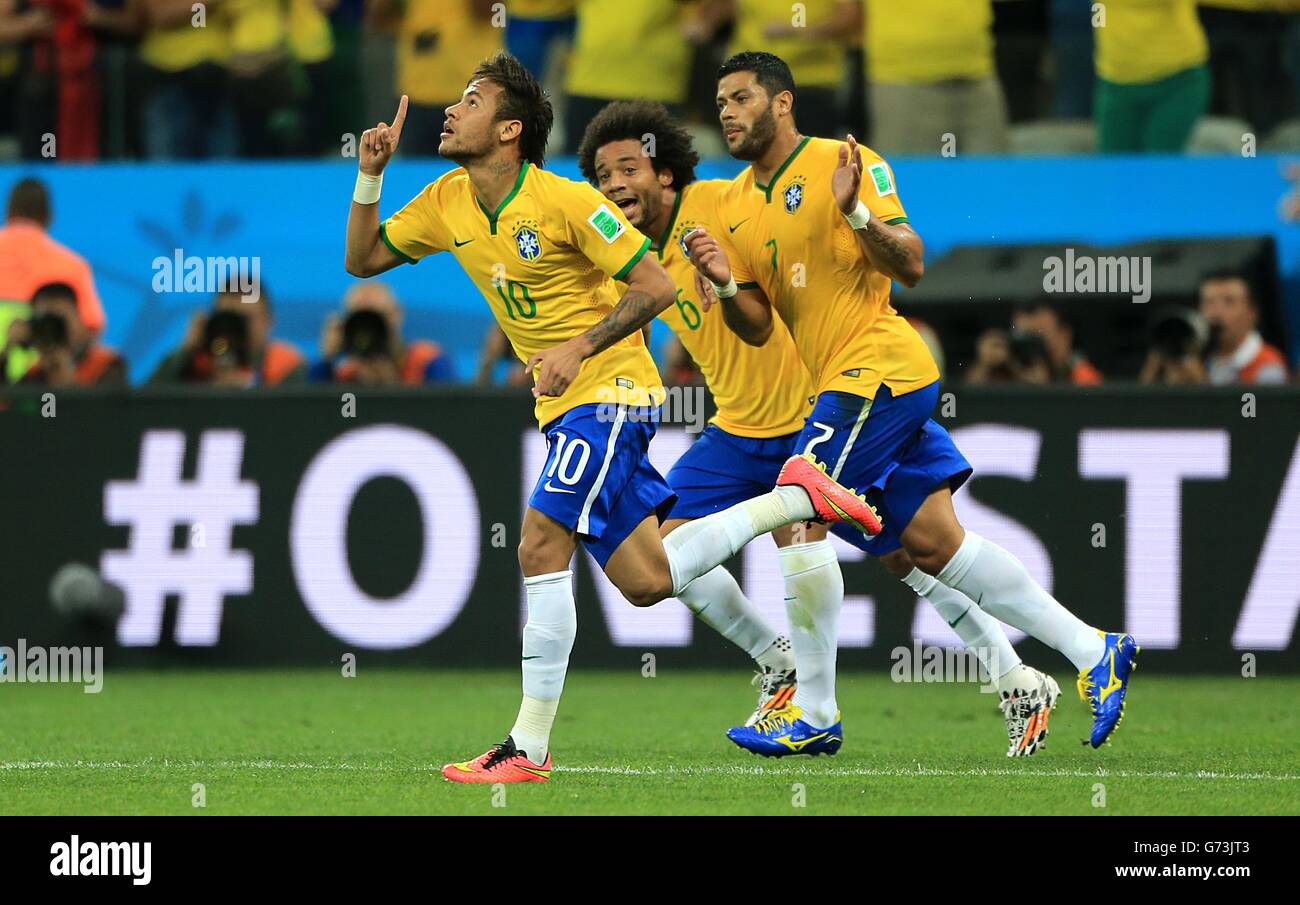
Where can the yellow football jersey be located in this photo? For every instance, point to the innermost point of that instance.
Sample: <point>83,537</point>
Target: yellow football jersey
<point>789,239</point>
<point>814,62</point>
<point>545,260</point>
<point>629,50</point>
<point>439,42</point>
<point>760,391</point>
<point>928,40</point>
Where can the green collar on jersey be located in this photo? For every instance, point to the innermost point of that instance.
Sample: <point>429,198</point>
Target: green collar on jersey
<point>492,215</point>
<point>767,189</point>
<point>672,220</point>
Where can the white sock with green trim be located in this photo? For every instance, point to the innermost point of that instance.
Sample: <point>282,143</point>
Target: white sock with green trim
<point>814,596</point>
<point>999,583</point>
<point>979,631</point>
<point>718,601</point>
<point>699,545</point>
<point>548,639</point>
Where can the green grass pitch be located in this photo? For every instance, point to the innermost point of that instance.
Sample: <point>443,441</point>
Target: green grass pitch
<point>292,742</point>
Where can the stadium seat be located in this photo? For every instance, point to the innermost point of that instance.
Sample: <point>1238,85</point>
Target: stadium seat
<point>1054,136</point>
<point>1218,135</point>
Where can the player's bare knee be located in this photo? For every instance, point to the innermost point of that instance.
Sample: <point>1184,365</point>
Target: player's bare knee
<point>926,555</point>
<point>648,588</point>
<point>899,563</point>
<point>538,554</point>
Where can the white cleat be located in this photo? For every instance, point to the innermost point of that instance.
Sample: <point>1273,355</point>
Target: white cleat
<point>776,689</point>
<point>1027,698</point>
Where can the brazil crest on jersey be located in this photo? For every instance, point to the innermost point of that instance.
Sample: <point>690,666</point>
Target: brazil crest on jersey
<point>790,239</point>
<point>760,391</point>
<point>546,260</point>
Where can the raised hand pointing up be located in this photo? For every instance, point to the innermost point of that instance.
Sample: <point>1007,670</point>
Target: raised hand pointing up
<point>380,143</point>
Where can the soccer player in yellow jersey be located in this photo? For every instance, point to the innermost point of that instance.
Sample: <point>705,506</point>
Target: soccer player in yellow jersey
<point>545,252</point>
<point>762,396</point>
<point>814,228</point>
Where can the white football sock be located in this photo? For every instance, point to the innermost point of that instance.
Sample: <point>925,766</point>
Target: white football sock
<point>979,631</point>
<point>1001,585</point>
<point>699,545</point>
<point>814,596</point>
<point>718,601</point>
<point>778,657</point>
<point>548,639</point>
<point>532,730</point>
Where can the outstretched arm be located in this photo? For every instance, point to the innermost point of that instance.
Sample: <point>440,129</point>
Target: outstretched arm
<point>896,251</point>
<point>747,311</point>
<point>649,291</point>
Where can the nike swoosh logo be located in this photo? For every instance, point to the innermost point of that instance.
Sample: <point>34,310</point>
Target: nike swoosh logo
<point>547,487</point>
<point>732,229</point>
<point>953,624</point>
<point>533,657</point>
<point>460,243</point>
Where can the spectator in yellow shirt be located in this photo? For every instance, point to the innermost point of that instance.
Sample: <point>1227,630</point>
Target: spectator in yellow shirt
<point>1153,83</point>
<point>931,82</point>
<point>625,49</point>
<point>438,43</point>
<point>1152,80</point>
<point>187,111</point>
<point>811,37</point>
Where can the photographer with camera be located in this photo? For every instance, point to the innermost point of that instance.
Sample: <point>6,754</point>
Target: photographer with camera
<point>232,346</point>
<point>1039,348</point>
<point>365,345</point>
<point>1237,353</point>
<point>1216,343</point>
<point>1179,339</point>
<point>67,351</point>
<point>1009,356</point>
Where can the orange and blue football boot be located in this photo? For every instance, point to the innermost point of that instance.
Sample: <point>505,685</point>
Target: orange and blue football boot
<point>783,732</point>
<point>1104,687</point>
<point>832,501</point>
<point>501,763</point>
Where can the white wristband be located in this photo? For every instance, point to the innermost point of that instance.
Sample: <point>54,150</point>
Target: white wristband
<point>727,291</point>
<point>367,190</point>
<point>859,217</point>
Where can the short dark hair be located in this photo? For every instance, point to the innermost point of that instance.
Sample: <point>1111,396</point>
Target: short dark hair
<point>30,200</point>
<point>633,121</point>
<point>770,70</point>
<point>1220,274</point>
<point>55,292</point>
<point>522,98</point>
<point>1041,304</point>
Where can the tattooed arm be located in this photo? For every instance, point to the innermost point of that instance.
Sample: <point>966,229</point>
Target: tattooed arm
<point>649,291</point>
<point>896,251</point>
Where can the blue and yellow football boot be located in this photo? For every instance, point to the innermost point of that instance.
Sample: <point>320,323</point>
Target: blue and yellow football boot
<point>1104,687</point>
<point>783,732</point>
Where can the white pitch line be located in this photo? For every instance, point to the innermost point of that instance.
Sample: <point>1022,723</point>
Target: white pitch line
<point>686,771</point>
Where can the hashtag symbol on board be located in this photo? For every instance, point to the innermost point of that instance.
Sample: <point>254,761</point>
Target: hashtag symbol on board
<point>152,506</point>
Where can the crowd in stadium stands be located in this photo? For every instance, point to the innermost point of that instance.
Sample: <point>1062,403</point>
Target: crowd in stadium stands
<point>52,323</point>
<point>166,79</point>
